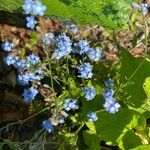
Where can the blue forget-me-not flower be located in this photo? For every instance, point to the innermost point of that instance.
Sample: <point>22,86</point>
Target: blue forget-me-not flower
<point>85,71</point>
<point>29,94</point>
<point>89,93</point>
<point>92,117</point>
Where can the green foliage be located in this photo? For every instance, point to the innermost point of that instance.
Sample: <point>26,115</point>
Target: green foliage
<point>11,5</point>
<point>91,140</point>
<point>133,72</point>
<point>131,140</point>
<point>113,127</point>
<point>121,128</point>
<point>10,145</point>
<point>142,147</point>
<point>110,14</point>
<point>146,87</point>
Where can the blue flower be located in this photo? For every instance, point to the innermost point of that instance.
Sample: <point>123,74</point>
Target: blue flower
<point>108,92</point>
<point>84,47</point>
<point>21,64</point>
<point>111,105</point>
<point>33,59</point>
<point>31,22</point>
<point>61,121</point>
<point>34,7</point>
<point>27,6</point>
<point>92,116</point>
<point>70,104</point>
<point>39,71</point>
<point>144,8</point>
<point>57,54</point>
<point>94,55</point>
<point>63,45</point>
<point>7,46</point>
<point>48,39</point>
<point>38,9</point>
<point>71,27</point>
<point>85,71</point>
<point>136,6</point>
<point>89,93</point>
<point>29,94</point>
<point>109,83</point>
<point>11,60</point>
<point>24,79</point>
<point>48,126</point>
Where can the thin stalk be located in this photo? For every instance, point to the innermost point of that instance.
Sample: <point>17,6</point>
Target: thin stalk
<point>50,68</point>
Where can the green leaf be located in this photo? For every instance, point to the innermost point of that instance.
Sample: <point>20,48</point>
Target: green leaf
<point>61,147</point>
<point>112,127</point>
<point>142,147</point>
<point>71,138</point>
<point>143,109</point>
<point>110,14</point>
<point>91,140</point>
<point>132,76</point>
<point>131,140</point>
<point>11,5</point>
<point>146,87</point>
<point>74,91</point>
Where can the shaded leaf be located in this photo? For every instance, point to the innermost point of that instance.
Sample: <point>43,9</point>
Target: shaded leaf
<point>131,140</point>
<point>142,147</point>
<point>112,127</point>
<point>133,73</point>
<point>11,5</point>
<point>146,87</point>
<point>91,140</point>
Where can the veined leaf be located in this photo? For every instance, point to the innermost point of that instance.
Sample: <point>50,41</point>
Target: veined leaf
<point>113,127</point>
<point>110,14</point>
<point>133,73</point>
<point>11,5</point>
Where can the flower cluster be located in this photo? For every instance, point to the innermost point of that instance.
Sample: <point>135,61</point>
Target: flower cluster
<point>48,126</point>
<point>71,27</point>
<point>92,116</point>
<point>29,70</point>
<point>110,104</point>
<point>94,55</point>
<point>70,104</point>
<point>83,47</point>
<point>33,59</point>
<point>85,71</point>
<point>64,47</point>
<point>35,8</point>
<point>143,7</point>
<point>25,78</point>
<point>25,75</point>
<point>7,46</point>
<point>11,60</point>
<point>22,64</point>
<point>48,39</point>
<point>29,94</point>
<point>89,93</point>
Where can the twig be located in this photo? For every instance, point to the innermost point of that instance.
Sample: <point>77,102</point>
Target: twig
<point>24,120</point>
